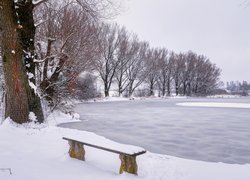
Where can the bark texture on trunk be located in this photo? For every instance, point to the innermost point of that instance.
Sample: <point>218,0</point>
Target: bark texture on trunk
<point>21,99</point>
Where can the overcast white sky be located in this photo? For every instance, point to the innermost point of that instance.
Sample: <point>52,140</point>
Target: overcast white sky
<point>219,29</point>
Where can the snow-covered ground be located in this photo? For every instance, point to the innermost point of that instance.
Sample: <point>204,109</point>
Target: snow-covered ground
<point>39,153</point>
<point>200,133</point>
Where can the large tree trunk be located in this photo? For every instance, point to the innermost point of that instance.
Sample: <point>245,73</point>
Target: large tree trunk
<point>25,13</point>
<point>17,42</point>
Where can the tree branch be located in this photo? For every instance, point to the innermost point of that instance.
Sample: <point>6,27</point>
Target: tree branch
<point>38,2</point>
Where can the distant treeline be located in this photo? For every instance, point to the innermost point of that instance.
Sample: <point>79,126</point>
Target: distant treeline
<point>236,87</point>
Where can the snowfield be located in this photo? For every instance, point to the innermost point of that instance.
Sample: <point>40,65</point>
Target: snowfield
<point>37,152</point>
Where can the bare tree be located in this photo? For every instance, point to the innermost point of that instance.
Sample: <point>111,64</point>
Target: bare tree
<point>178,71</point>
<point>136,71</point>
<point>165,71</point>
<point>127,50</point>
<point>207,76</point>
<point>67,43</point>
<point>123,56</point>
<point>107,64</point>
<point>151,65</point>
<point>189,72</point>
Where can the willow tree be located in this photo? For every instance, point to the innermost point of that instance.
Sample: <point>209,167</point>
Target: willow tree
<point>17,44</point>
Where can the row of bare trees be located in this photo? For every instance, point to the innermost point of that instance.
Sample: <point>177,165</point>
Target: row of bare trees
<point>75,43</point>
<point>71,41</point>
<point>127,63</point>
<point>187,73</point>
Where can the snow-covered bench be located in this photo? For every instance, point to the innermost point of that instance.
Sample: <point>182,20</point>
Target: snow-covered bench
<point>127,153</point>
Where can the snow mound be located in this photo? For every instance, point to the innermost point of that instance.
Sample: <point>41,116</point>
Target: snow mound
<point>58,117</point>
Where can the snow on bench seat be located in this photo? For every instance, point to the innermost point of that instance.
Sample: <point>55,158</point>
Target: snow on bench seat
<point>108,144</point>
<point>127,153</point>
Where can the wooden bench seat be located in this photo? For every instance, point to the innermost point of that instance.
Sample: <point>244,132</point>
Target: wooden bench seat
<point>127,157</point>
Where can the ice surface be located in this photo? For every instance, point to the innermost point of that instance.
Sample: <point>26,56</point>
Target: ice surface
<point>199,133</point>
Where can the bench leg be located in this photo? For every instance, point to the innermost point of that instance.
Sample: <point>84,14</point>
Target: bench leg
<point>128,164</point>
<point>76,150</point>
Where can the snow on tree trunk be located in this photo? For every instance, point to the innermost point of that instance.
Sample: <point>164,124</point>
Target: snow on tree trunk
<point>17,49</point>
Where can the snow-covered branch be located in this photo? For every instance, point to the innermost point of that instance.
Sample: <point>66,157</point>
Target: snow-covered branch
<point>42,60</point>
<point>38,2</point>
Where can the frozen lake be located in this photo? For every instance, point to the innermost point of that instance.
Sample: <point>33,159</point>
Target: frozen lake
<point>216,134</point>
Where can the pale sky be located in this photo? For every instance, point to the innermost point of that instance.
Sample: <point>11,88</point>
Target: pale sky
<point>219,29</point>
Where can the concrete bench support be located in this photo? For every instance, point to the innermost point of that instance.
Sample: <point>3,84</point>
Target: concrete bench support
<point>128,164</point>
<point>76,150</point>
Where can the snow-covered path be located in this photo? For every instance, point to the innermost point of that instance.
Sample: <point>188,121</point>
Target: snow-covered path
<point>200,133</point>
<point>39,154</point>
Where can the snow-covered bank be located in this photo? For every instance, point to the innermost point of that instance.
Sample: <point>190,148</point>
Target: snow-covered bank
<point>109,99</point>
<point>38,153</point>
<point>113,99</point>
<point>215,104</point>
<point>224,96</point>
